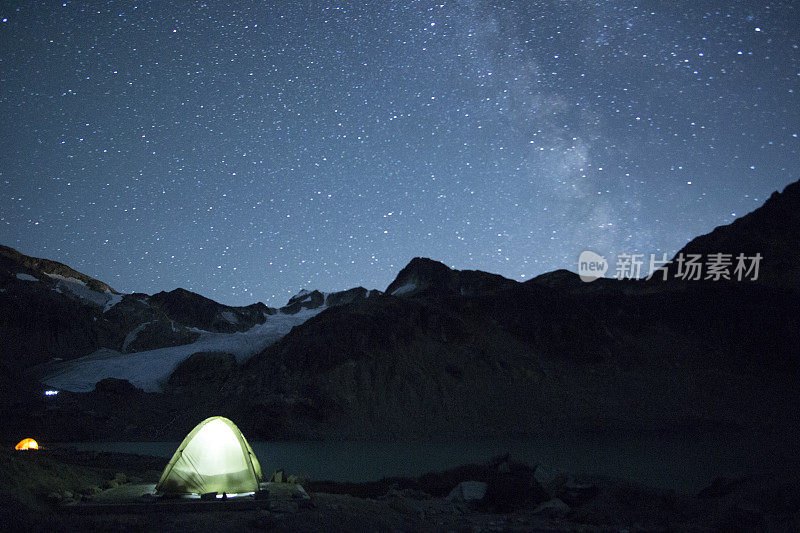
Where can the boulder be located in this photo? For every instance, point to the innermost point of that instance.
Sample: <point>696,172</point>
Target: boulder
<point>576,494</point>
<point>299,493</point>
<point>549,478</point>
<point>468,491</point>
<point>554,508</point>
<point>517,489</point>
<point>305,503</point>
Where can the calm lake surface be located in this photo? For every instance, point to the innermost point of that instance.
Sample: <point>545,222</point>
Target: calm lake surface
<point>682,464</point>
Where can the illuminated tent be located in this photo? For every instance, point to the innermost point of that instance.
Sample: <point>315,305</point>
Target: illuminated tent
<point>214,457</point>
<point>27,444</point>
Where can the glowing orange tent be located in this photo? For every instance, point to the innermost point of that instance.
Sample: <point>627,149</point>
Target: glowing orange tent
<point>27,444</point>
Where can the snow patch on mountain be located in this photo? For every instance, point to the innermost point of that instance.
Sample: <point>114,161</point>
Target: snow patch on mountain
<point>113,299</point>
<point>150,369</point>
<point>79,289</point>
<point>230,317</point>
<point>26,277</point>
<point>107,299</point>
<point>404,289</point>
<point>131,336</point>
<point>65,279</point>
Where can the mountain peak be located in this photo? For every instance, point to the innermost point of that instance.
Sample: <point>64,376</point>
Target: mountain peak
<point>192,309</point>
<point>423,275</point>
<point>557,279</point>
<point>419,274</point>
<point>772,230</point>
<point>300,294</point>
<point>305,298</point>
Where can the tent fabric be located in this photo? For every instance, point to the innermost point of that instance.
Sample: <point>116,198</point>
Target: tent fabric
<point>214,457</point>
<point>27,444</point>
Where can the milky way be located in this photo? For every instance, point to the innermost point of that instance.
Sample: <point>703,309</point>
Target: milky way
<point>247,150</point>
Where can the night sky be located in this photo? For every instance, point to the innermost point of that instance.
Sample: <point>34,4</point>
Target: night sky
<point>247,150</point>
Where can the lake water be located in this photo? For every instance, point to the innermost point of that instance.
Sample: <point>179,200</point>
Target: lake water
<point>685,465</point>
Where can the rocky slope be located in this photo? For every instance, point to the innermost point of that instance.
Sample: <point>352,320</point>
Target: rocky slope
<point>63,489</point>
<point>773,231</point>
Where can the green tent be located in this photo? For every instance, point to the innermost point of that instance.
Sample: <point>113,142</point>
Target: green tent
<point>214,457</point>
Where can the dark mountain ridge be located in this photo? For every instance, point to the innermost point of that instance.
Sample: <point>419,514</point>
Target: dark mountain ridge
<point>471,354</point>
<point>772,231</point>
<point>424,277</point>
<point>11,258</point>
<point>468,352</point>
<point>197,311</point>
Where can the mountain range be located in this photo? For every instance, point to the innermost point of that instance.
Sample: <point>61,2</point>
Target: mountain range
<point>439,353</point>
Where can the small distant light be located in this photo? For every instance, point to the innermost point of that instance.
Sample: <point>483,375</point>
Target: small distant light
<point>758,29</point>
<point>5,19</point>
<point>50,392</point>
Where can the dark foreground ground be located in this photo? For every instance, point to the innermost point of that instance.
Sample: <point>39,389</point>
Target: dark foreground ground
<point>50,490</point>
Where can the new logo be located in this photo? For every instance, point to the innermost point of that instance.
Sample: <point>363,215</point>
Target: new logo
<point>591,266</point>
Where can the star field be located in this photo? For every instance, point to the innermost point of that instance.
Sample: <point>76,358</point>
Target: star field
<point>245,150</point>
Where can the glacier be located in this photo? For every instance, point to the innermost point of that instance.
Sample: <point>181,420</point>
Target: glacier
<point>150,369</point>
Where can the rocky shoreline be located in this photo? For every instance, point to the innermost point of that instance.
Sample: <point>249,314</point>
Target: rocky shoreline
<point>41,490</point>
